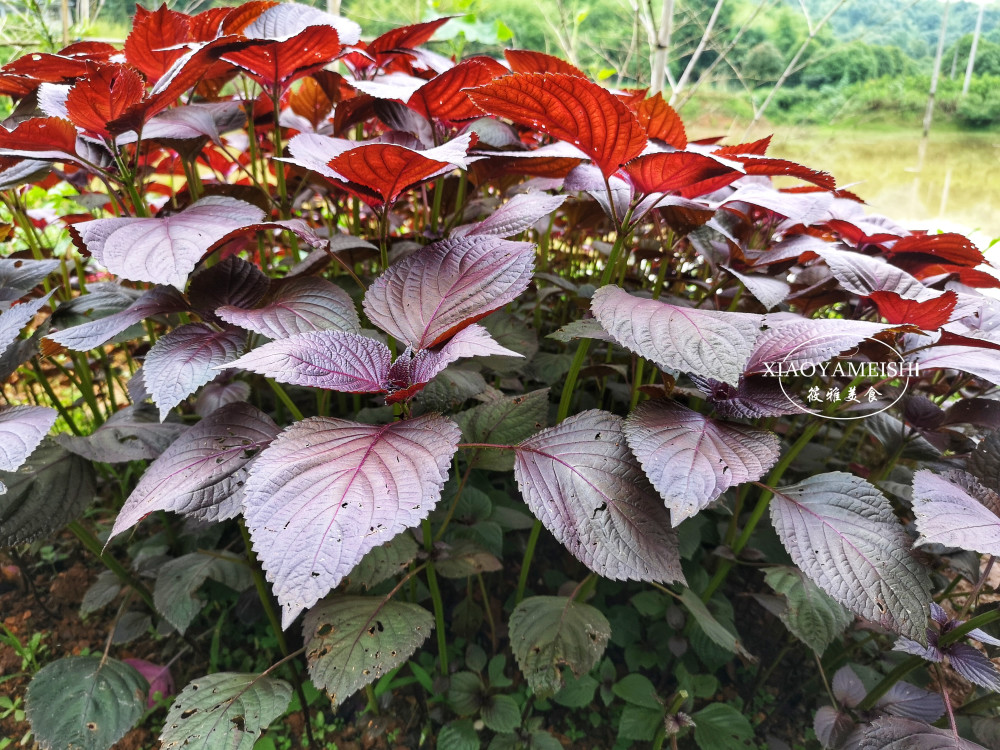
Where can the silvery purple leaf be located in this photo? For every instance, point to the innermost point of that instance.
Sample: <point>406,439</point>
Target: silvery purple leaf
<point>703,342</point>
<point>17,317</point>
<point>983,363</point>
<point>893,733</point>
<point>191,121</point>
<point>803,208</point>
<point>297,306</point>
<point>219,393</point>
<point>160,300</point>
<point>334,360</point>
<point>185,359</point>
<point>21,430</point>
<point>911,702</point>
<point>515,216</point>
<point>753,398</point>
<point>23,274</point>
<point>429,295</point>
<point>974,666</point>
<point>326,491</point>
<point>282,22</point>
<point>848,688</point>
<point>133,433</point>
<point>416,369</point>
<point>958,513</point>
<point>841,532</point>
<point>203,471</point>
<point>588,178</point>
<point>165,250</point>
<point>584,485</point>
<point>230,282</point>
<point>692,459</point>
<point>793,342</point>
<point>930,652</point>
<point>864,274</point>
<point>767,290</point>
<point>832,726</point>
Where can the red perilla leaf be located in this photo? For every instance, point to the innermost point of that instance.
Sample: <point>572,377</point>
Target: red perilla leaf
<point>661,121</point>
<point>530,61</point>
<point>930,314</point>
<point>443,98</point>
<point>568,108</point>
<point>106,101</point>
<point>156,40</point>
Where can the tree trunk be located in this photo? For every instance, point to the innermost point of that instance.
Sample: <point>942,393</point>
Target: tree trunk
<point>682,81</point>
<point>658,72</point>
<point>929,112</point>
<point>972,52</point>
<point>790,68</point>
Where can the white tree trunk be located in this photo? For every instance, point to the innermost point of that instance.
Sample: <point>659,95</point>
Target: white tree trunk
<point>972,52</point>
<point>929,112</point>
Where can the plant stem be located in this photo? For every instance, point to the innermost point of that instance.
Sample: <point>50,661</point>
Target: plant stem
<point>726,565</point>
<point>432,585</point>
<point>285,399</point>
<point>89,541</point>
<point>264,594</point>
<point>979,585</point>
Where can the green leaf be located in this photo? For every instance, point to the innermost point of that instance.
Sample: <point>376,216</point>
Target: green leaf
<point>506,421</point>
<point>466,558</point>
<point>605,73</point>
<point>466,692</point>
<point>696,685</point>
<point>383,562</point>
<point>501,714</point>
<point>650,603</point>
<point>548,633</point>
<point>51,489</point>
<point>352,641</point>
<point>638,691</point>
<point>811,615</point>
<point>639,723</point>
<point>101,592</point>
<point>719,726</point>
<point>712,627</point>
<point>577,693</point>
<point>84,702</point>
<point>458,735</point>
<point>224,711</point>
<point>179,579</point>
<point>495,671</point>
<point>475,657</point>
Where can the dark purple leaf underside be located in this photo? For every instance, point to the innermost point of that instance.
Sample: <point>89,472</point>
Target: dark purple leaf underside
<point>133,433</point>
<point>231,282</point>
<point>326,491</point>
<point>581,481</point>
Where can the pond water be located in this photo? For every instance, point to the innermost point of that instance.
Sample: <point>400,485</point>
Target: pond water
<point>954,187</point>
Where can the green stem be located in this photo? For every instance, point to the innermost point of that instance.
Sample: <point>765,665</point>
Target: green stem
<point>285,399</point>
<point>432,585</point>
<point>264,594</point>
<point>89,541</point>
<point>529,553</point>
<point>726,565</point>
<point>912,662</point>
